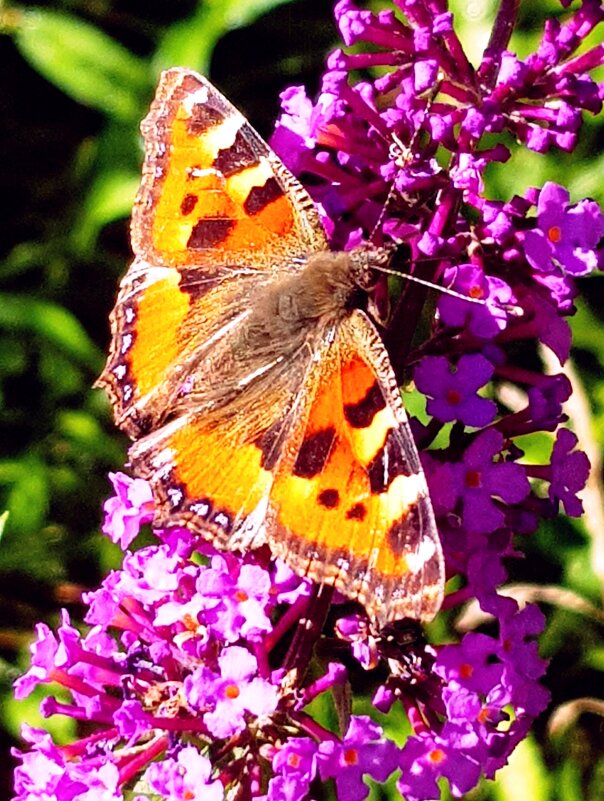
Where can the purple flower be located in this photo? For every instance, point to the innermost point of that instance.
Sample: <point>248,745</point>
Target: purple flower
<point>125,512</point>
<point>42,769</point>
<point>362,752</point>
<point>294,766</point>
<point>469,665</point>
<point>230,694</point>
<point>45,773</point>
<point>484,321</point>
<point>569,473</point>
<point>187,777</point>
<point>480,478</point>
<point>567,235</point>
<point>424,759</point>
<point>235,597</point>
<point>453,388</point>
<point>356,630</point>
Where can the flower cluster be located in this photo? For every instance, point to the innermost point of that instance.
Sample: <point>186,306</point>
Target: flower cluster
<point>193,677</point>
<point>177,676</point>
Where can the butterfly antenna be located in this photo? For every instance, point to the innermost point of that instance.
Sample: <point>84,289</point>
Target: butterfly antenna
<point>445,290</point>
<point>402,155</point>
<point>382,213</point>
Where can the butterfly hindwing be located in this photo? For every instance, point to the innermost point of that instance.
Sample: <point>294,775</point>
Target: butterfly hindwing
<point>214,472</point>
<point>350,504</point>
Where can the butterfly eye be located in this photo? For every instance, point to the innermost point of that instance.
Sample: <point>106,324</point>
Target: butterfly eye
<point>366,278</point>
<point>366,265</point>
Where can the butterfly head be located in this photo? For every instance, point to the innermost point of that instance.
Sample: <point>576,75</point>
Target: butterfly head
<point>366,262</point>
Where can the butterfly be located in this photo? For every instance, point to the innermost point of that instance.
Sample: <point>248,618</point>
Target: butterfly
<point>260,398</point>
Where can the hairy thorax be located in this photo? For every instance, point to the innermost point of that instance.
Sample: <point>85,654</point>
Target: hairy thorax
<point>287,316</point>
<point>328,287</point>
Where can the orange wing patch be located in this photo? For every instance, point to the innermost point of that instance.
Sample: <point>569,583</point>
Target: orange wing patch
<point>141,352</point>
<point>154,350</point>
<point>207,481</point>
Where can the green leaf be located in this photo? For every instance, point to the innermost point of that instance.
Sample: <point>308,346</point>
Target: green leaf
<point>28,498</point>
<point>110,198</point>
<point>587,332</point>
<point>83,431</point>
<point>83,62</point>
<point>570,783</point>
<point>51,322</point>
<point>62,728</point>
<point>23,257</point>
<point>191,42</point>
<point>3,521</point>
<point>595,658</point>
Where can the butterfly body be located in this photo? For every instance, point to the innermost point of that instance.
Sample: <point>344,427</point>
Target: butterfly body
<point>259,396</point>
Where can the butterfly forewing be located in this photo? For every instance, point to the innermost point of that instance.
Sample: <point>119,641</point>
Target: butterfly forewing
<point>212,189</point>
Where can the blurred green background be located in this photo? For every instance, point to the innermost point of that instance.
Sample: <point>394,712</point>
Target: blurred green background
<point>75,80</point>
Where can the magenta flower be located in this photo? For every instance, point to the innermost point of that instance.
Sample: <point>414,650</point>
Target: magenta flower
<point>235,597</point>
<point>425,759</point>
<point>232,694</point>
<point>478,479</point>
<point>294,766</point>
<point>567,236</point>
<point>569,473</point>
<point>484,321</point>
<point>187,777</point>
<point>131,505</point>
<point>47,773</point>
<point>453,388</point>
<point>362,752</point>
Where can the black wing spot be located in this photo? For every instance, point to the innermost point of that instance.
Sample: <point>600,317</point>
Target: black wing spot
<point>237,157</point>
<point>188,204</point>
<point>361,414</point>
<point>329,498</point>
<point>389,462</point>
<point>356,512</point>
<point>207,233</point>
<point>314,452</point>
<point>261,196</point>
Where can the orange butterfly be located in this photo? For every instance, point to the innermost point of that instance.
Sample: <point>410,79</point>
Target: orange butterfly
<point>261,399</point>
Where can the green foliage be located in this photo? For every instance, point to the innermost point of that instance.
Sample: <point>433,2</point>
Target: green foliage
<point>192,41</point>
<point>83,62</point>
<point>525,777</point>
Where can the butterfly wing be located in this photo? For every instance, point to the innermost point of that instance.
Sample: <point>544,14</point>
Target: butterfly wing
<point>212,189</point>
<point>350,506</point>
<point>217,214</point>
<point>312,453</point>
<point>214,472</point>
